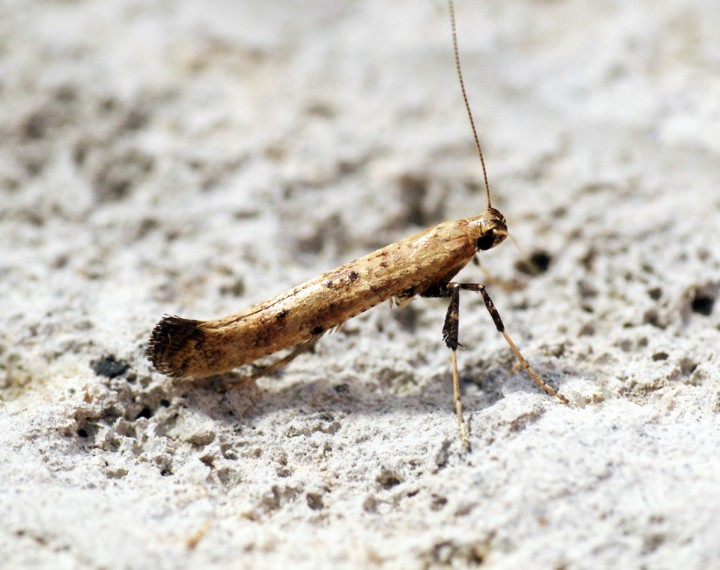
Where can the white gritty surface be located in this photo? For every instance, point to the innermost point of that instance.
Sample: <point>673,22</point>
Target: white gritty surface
<point>194,158</point>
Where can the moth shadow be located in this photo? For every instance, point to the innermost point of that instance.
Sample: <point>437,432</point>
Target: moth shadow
<point>250,400</point>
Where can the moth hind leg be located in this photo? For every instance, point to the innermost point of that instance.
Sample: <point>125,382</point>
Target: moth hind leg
<point>259,371</point>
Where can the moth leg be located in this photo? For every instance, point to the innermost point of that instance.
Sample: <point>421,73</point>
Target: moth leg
<point>260,371</point>
<point>478,288</point>
<point>450,336</point>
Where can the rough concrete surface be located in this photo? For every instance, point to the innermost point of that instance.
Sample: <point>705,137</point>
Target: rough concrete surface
<point>193,158</point>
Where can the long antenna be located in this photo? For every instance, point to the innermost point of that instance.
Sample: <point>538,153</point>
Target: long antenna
<point>451,5</point>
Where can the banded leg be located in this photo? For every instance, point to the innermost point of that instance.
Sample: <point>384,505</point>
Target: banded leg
<point>478,288</point>
<point>451,338</point>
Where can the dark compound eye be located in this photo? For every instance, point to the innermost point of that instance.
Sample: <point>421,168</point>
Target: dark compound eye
<point>486,241</point>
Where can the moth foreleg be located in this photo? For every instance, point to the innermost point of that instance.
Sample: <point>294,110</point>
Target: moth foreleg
<point>450,336</point>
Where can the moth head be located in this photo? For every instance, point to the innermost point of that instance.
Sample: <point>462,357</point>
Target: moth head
<point>490,228</point>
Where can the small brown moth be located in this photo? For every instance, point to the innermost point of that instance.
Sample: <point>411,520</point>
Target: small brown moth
<point>423,264</point>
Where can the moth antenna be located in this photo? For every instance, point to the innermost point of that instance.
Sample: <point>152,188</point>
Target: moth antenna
<point>451,5</point>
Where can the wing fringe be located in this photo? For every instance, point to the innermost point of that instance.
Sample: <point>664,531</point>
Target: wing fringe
<point>171,342</point>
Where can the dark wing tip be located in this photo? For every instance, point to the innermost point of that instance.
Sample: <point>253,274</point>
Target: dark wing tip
<point>171,343</point>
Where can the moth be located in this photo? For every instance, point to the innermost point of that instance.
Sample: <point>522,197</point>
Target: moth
<point>424,264</point>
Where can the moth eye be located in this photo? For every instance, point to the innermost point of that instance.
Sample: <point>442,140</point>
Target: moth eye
<point>486,241</point>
